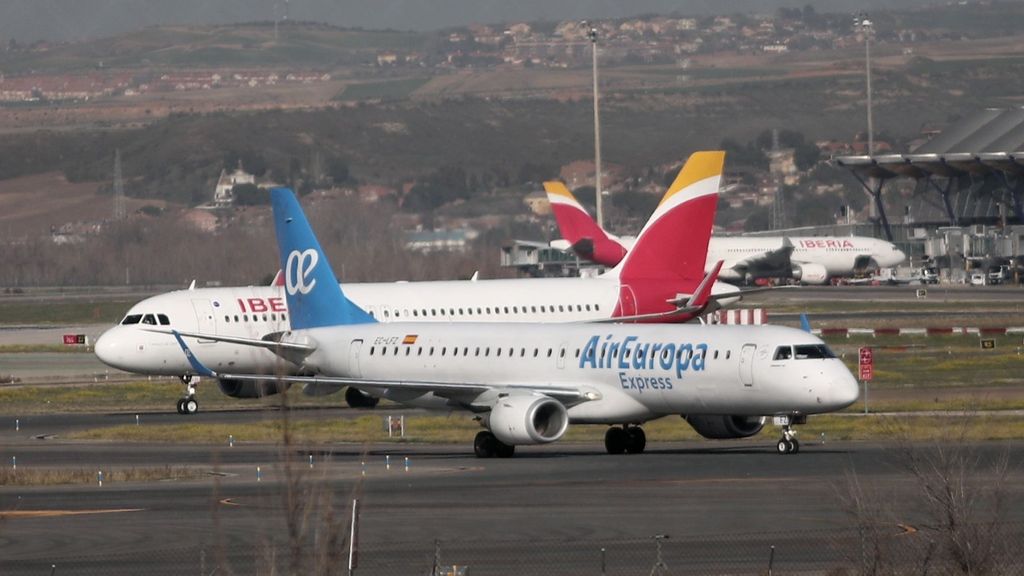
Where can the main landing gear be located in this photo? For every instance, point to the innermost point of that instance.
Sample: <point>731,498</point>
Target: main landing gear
<point>627,439</point>
<point>189,405</point>
<point>788,444</point>
<point>485,445</point>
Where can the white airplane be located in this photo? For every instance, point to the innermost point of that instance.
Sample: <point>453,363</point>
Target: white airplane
<point>656,283</point>
<point>809,259</point>
<point>527,382</point>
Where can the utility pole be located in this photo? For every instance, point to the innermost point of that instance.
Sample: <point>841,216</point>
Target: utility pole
<point>598,192</point>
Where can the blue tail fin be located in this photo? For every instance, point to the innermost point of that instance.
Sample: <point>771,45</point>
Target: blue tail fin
<point>314,297</point>
<point>805,324</point>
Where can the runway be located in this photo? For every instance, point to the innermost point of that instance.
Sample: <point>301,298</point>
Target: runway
<point>559,503</point>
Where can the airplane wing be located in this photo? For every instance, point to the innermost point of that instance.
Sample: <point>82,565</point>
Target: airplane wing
<point>269,341</point>
<point>769,260</point>
<point>462,392</point>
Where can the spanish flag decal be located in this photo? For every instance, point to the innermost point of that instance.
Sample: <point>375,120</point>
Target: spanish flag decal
<point>409,339</point>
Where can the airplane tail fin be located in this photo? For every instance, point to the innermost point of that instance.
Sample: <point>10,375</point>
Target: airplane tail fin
<point>314,296</point>
<point>585,237</point>
<point>674,241</point>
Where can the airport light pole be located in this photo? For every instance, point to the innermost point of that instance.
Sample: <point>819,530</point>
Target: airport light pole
<point>867,28</point>
<point>592,35</point>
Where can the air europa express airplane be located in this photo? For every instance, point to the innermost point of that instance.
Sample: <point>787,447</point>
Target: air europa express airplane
<point>527,382</point>
<point>811,260</point>
<point>656,283</point>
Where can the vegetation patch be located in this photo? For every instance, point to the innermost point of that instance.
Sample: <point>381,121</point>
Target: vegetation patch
<point>52,476</point>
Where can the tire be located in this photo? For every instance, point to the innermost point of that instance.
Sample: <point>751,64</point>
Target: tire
<point>190,405</point>
<point>615,440</point>
<point>181,405</point>
<point>503,450</point>
<point>783,446</point>
<point>484,445</point>
<point>795,446</point>
<point>636,440</point>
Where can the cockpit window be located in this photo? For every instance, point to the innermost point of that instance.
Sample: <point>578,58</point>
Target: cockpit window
<point>783,353</point>
<point>164,320</point>
<point>131,319</point>
<point>149,319</point>
<point>813,351</point>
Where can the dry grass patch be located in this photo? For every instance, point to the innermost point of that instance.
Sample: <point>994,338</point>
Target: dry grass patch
<point>53,476</point>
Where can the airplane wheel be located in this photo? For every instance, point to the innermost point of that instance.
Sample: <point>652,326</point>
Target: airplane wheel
<point>794,446</point>
<point>485,445</point>
<point>191,406</point>
<point>615,440</point>
<point>783,446</point>
<point>503,450</point>
<point>636,440</point>
<point>181,405</point>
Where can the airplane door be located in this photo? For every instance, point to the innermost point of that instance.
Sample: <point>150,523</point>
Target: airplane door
<point>204,316</point>
<point>355,371</point>
<point>627,301</point>
<point>747,365</point>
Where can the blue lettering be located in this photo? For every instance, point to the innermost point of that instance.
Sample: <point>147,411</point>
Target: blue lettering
<point>666,356</point>
<point>698,359</point>
<point>623,360</point>
<point>639,355</point>
<point>683,359</point>
<point>589,353</point>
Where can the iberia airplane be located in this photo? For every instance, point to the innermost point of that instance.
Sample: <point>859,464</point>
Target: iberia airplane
<point>529,381</point>
<point>809,259</point>
<point>662,280</point>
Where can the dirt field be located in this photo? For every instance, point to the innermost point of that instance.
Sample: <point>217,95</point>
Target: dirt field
<point>32,204</point>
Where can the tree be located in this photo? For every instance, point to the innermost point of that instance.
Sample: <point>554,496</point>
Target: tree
<point>249,195</point>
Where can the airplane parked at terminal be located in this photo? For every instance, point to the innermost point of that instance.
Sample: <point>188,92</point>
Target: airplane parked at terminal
<point>809,259</point>
<point>527,382</point>
<point>656,283</point>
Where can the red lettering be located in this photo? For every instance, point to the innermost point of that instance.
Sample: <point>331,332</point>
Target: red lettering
<point>241,305</point>
<point>847,243</point>
<point>277,305</point>
<point>257,305</point>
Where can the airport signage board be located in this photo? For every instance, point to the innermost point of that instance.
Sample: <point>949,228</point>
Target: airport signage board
<point>74,339</point>
<point>867,363</point>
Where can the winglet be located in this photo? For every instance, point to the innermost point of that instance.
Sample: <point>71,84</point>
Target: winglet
<point>278,280</point>
<point>198,366</point>
<point>805,324</point>
<point>702,294</point>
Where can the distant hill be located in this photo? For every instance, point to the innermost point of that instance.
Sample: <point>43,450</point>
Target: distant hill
<point>61,20</point>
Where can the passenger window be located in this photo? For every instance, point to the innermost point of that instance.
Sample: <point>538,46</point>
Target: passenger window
<point>465,351</point>
<point>535,352</point>
<point>560,308</point>
<point>716,354</point>
<point>577,352</point>
<point>455,351</point>
<point>444,350</point>
<point>227,318</point>
<point>588,307</point>
<point>477,351</point>
<point>264,317</point>
<point>383,350</point>
<point>549,352</point>
<point>597,308</point>
<point>396,350</point>
<point>371,350</point>
<point>431,350</point>
<point>283,317</point>
<point>783,353</point>
<point>164,320</point>
<point>132,319</point>
<point>488,310</point>
<point>415,313</point>
<point>407,351</point>
<point>506,309</point>
<point>497,352</point>
<point>236,317</point>
<point>542,309</point>
<point>533,309</point>
<point>487,351</point>
<point>273,317</point>
<point>419,350</point>
<point>728,354</point>
<point>149,319</point>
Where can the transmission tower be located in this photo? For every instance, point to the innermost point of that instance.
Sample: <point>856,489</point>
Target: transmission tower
<point>120,210</point>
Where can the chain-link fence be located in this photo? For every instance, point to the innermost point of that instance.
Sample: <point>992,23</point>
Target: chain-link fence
<point>901,550</point>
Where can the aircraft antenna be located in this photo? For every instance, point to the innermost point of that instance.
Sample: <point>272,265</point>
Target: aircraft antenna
<point>120,210</point>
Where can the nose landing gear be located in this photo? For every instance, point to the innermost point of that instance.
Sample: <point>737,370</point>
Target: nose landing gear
<point>788,444</point>
<point>189,405</point>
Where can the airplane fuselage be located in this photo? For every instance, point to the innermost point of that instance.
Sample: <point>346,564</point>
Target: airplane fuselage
<point>636,372</point>
<point>255,311</point>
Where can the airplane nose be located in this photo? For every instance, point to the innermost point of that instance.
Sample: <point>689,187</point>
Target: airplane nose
<point>110,349</point>
<point>844,391</point>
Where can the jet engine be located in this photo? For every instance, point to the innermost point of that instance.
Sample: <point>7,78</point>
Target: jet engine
<point>810,273</point>
<point>250,389</point>
<point>356,398</point>
<point>725,427</point>
<point>527,419</point>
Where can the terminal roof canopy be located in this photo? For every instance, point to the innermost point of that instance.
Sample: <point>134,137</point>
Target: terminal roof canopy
<point>990,140</point>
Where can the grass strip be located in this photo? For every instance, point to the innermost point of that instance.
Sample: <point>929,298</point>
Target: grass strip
<point>27,476</point>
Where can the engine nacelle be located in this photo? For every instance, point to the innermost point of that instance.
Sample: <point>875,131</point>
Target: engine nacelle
<point>810,273</point>
<point>250,389</point>
<point>356,398</point>
<point>716,427</point>
<point>527,419</point>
